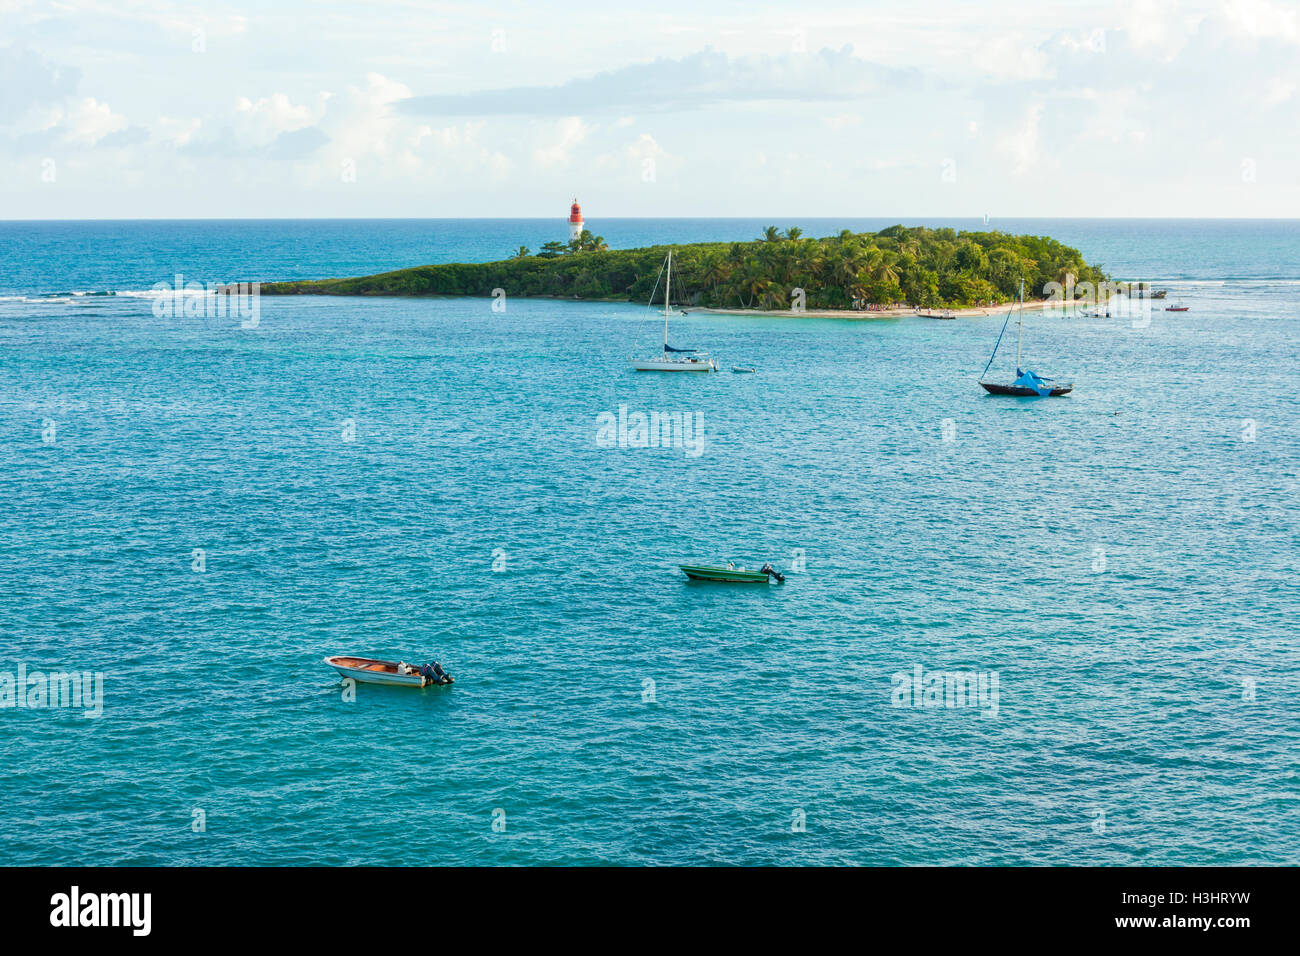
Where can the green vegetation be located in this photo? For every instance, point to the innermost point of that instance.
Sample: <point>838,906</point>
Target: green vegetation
<point>916,266</point>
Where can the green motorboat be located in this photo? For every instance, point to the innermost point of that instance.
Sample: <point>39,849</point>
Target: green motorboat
<point>732,574</point>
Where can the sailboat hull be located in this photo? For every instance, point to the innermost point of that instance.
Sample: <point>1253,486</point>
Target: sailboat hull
<point>658,365</point>
<point>1020,390</point>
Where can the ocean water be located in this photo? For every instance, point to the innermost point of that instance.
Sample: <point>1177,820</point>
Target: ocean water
<point>422,479</point>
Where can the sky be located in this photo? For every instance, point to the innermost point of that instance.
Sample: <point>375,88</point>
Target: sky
<point>154,109</point>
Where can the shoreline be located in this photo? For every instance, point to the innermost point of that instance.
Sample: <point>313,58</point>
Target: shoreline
<point>1032,305</point>
<point>960,312</point>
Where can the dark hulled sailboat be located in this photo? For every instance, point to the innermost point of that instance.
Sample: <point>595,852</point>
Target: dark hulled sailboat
<point>1027,383</point>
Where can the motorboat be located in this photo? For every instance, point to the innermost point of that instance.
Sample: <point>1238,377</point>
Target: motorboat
<point>368,670</point>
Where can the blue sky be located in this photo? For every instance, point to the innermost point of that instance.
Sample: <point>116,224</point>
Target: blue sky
<point>146,108</point>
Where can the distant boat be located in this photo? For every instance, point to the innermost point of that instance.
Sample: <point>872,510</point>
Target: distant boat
<point>744,369</point>
<point>671,359</point>
<point>371,671</point>
<point>1177,308</point>
<point>1027,383</point>
<point>731,574</point>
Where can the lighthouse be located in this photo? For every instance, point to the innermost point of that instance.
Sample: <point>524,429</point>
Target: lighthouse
<point>575,220</point>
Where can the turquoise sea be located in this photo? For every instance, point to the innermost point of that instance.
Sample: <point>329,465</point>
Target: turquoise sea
<point>423,479</point>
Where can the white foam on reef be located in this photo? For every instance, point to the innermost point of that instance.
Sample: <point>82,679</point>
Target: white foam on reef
<point>61,298</point>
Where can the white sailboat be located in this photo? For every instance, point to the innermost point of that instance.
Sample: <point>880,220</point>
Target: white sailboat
<point>671,359</point>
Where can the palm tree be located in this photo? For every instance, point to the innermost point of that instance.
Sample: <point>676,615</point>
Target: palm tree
<point>794,232</point>
<point>716,270</point>
<point>771,297</point>
<point>523,253</point>
<point>885,271</point>
<point>851,261</point>
<point>760,289</point>
<point>771,234</point>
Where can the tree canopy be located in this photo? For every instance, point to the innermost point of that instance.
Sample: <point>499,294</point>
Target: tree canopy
<point>913,265</point>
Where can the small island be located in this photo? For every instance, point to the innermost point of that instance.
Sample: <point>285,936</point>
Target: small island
<point>895,269</point>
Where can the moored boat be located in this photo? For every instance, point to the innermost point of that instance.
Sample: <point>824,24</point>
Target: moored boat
<point>1027,384</point>
<point>672,359</point>
<point>371,671</point>
<point>731,574</point>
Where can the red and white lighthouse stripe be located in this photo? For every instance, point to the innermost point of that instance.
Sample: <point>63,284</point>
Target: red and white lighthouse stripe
<point>575,220</point>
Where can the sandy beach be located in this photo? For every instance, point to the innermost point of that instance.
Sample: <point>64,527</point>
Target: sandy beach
<point>889,313</point>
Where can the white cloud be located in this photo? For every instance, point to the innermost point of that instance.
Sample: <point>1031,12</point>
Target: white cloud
<point>694,81</point>
<point>1278,91</point>
<point>89,121</point>
<point>842,120</point>
<point>261,121</point>
<point>561,140</point>
<point>1022,146</point>
<point>1146,102</point>
<point>175,131</point>
<point>1012,57</point>
<point>1261,19</point>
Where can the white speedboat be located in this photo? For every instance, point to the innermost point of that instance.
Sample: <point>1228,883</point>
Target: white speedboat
<point>371,671</point>
<point>671,359</point>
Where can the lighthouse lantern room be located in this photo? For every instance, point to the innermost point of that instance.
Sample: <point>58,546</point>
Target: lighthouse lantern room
<point>575,221</point>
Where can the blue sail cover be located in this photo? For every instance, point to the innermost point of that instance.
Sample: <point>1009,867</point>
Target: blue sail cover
<point>1032,380</point>
<point>669,348</point>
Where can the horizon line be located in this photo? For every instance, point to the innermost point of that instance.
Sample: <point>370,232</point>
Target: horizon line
<point>561,218</point>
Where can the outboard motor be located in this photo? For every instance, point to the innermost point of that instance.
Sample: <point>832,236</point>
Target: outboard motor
<point>773,572</point>
<point>434,674</point>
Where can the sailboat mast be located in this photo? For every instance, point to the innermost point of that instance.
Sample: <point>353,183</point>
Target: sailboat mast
<point>668,295</point>
<point>1020,325</point>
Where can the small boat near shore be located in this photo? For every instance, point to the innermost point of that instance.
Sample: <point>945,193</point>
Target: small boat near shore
<point>732,574</point>
<point>368,670</point>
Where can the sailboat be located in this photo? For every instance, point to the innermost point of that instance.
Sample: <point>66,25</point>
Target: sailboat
<point>671,359</point>
<point>1177,308</point>
<point>1027,383</point>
